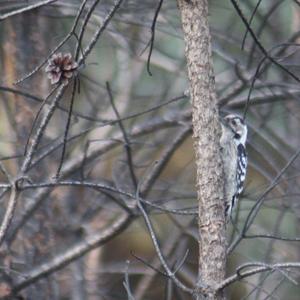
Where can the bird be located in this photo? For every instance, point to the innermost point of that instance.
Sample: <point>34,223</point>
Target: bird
<point>235,159</point>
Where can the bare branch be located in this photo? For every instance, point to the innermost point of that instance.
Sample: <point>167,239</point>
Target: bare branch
<point>262,268</point>
<point>26,8</point>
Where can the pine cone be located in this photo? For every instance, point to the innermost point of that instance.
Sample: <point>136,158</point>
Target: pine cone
<point>61,67</point>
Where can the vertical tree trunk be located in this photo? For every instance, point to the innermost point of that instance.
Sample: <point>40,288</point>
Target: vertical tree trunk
<point>24,48</point>
<point>26,44</point>
<point>210,182</point>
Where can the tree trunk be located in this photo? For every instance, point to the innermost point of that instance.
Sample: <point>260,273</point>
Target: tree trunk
<point>210,181</point>
<point>26,43</point>
<point>24,48</point>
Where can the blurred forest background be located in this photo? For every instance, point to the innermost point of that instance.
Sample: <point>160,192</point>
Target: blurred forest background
<point>80,235</point>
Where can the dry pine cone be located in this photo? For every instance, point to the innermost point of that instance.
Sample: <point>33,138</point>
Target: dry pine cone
<point>61,67</point>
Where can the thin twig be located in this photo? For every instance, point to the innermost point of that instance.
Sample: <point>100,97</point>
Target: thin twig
<point>126,283</point>
<point>100,30</point>
<point>170,274</point>
<point>255,209</point>
<point>41,129</point>
<point>153,35</point>
<point>260,46</point>
<point>67,37</point>
<point>83,27</point>
<point>76,114</point>
<point>64,146</point>
<point>25,9</point>
<point>250,22</point>
<point>9,213</point>
<point>127,143</point>
<point>37,116</point>
<point>271,236</point>
<point>254,271</point>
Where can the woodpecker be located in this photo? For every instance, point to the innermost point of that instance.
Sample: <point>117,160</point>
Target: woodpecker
<point>234,156</point>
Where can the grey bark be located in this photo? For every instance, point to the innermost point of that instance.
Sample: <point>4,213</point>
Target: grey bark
<point>210,181</point>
